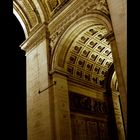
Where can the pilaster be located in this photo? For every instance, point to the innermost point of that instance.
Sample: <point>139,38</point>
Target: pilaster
<point>61,107</point>
<point>121,83</point>
<point>118,115</point>
<point>38,103</point>
<point>118,13</point>
<point>119,72</point>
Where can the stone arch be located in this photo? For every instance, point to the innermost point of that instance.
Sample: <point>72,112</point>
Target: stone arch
<point>71,34</point>
<point>29,14</point>
<point>65,47</point>
<point>76,28</point>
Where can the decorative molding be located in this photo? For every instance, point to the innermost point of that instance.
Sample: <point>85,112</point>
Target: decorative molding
<point>56,5</point>
<point>53,7</point>
<point>52,4</point>
<point>63,2</point>
<point>100,5</point>
<point>36,37</point>
<point>30,11</point>
<point>86,7</point>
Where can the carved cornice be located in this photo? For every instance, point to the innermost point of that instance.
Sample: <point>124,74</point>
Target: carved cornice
<point>76,11</point>
<point>53,7</point>
<point>36,37</point>
<point>60,5</point>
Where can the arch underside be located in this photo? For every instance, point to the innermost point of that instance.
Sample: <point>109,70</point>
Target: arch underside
<point>29,15</point>
<point>84,53</point>
<point>89,56</point>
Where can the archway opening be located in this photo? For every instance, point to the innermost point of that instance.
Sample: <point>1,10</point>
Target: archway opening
<point>87,58</point>
<point>19,77</point>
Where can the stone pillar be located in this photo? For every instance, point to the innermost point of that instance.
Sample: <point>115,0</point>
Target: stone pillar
<point>61,107</point>
<point>118,13</point>
<point>122,89</point>
<point>120,77</point>
<point>38,103</point>
<point>118,115</point>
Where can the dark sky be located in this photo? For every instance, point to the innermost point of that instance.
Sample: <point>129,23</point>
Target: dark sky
<point>20,81</point>
<point>13,80</point>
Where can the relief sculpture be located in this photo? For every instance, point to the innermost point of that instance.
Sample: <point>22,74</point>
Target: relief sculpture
<point>84,104</point>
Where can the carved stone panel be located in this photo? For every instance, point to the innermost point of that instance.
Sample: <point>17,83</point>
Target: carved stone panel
<point>86,105</point>
<point>55,5</point>
<point>87,128</point>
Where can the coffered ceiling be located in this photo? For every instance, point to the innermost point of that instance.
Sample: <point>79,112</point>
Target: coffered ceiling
<point>89,57</point>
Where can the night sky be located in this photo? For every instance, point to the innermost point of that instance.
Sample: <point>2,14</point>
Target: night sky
<point>13,81</point>
<point>20,81</point>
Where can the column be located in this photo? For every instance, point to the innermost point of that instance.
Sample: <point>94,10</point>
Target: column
<point>38,102</point>
<point>118,13</point>
<point>61,107</point>
<point>120,77</point>
<point>118,115</point>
